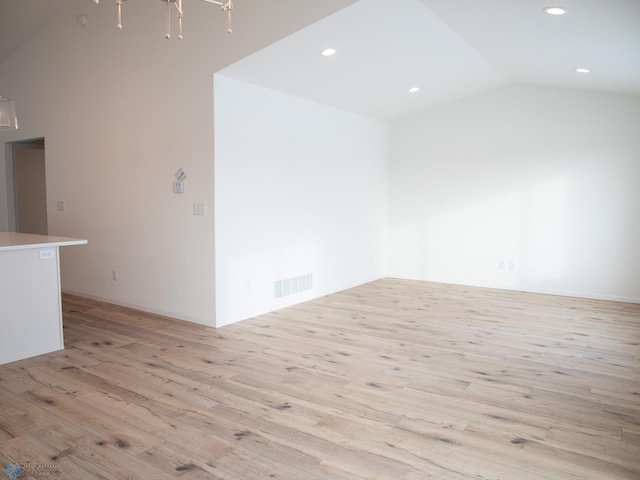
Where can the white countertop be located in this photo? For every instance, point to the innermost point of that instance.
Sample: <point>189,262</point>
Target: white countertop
<point>21,241</point>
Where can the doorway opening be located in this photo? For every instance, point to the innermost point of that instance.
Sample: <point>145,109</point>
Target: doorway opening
<point>27,193</point>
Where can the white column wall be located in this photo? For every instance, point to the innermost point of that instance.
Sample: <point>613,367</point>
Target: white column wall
<point>301,188</point>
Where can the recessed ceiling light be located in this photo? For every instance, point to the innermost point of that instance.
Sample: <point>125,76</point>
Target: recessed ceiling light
<point>327,52</point>
<point>555,10</point>
<point>414,89</point>
<point>582,70</point>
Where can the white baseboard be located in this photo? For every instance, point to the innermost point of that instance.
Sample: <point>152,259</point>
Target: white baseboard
<point>141,308</point>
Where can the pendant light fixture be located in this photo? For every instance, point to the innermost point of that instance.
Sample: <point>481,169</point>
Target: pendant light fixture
<point>8,119</point>
<point>177,4</point>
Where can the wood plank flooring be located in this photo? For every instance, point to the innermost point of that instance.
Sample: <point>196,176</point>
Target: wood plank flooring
<point>390,380</point>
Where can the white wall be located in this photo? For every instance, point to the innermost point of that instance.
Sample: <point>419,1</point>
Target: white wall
<point>547,179</point>
<point>120,112</point>
<point>301,188</point>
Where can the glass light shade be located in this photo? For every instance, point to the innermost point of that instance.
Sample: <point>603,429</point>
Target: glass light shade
<point>8,119</point>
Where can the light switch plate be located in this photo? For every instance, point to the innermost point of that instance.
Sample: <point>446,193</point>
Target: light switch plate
<point>199,208</point>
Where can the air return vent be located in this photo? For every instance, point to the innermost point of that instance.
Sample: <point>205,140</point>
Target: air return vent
<point>289,286</point>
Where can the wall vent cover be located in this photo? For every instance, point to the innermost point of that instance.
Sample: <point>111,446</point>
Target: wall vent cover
<point>290,286</point>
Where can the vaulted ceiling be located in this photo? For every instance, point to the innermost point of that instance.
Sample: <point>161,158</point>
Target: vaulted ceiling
<point>448,48</point>
<point>451,49</point>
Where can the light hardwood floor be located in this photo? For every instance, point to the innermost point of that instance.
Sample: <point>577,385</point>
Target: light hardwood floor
<point>390,380</point>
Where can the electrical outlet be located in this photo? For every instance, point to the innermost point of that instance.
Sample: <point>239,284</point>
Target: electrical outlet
<point>114,275</point>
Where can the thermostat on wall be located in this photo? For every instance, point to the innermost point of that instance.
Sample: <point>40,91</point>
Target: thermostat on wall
<point>178,185</point>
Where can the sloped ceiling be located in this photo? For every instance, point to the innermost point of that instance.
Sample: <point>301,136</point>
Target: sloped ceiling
<point>448,48</point>
<point>530,47</point>
<point>451,49</point>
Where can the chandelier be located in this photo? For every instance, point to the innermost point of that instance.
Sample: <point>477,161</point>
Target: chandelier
<point>177,4</point>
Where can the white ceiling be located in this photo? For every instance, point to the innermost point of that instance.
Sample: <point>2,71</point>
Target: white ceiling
<point>449,48</point>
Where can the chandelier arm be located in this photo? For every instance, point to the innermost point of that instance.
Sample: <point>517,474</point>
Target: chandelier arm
<point>119,3</point>
<point>225,7</point>
<point>179,8</point>
<point>167,20</point>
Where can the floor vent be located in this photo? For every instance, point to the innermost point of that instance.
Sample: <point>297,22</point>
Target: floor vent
<point>289,286</point>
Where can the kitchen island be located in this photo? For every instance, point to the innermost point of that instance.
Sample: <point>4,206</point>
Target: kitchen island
<point>30,294</point>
